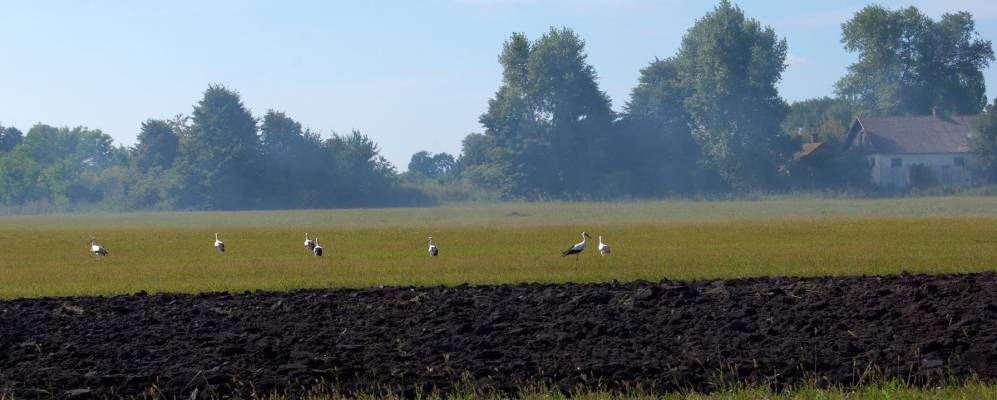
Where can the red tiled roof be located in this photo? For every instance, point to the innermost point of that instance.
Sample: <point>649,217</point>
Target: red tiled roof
<point>920,134</point>
<point>808,148</point>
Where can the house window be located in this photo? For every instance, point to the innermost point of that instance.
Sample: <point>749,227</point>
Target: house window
<point>960,161</point>
<point>872,162</point>
<point>896,162</point>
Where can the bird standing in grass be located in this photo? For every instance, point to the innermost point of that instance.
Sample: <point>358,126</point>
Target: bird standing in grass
<point>219,245</point>
<point>433,250</point>
<point>317,249</point>
<point>309,244</point>
<point>97,250</point>
<point>578,247</point>
<point>603,248</point>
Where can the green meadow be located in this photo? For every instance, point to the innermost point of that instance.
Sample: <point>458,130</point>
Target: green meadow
<point>48,255</point>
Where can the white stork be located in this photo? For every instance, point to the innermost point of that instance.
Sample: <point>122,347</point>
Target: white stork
<point>578,247</point>
<point>96,249</point>
<point>317,249</point>
<point>603,248</point>
<point>433,250</point>
<point>219,245</point>
<point>309,244</point>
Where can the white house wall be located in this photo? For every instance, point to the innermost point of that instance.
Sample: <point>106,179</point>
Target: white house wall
<point>942,167</point>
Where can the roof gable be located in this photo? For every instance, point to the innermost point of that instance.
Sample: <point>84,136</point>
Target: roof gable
<point>918,134</point>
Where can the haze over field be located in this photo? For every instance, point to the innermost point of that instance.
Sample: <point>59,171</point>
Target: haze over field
<point>412,75</point>
<point>719,107</point>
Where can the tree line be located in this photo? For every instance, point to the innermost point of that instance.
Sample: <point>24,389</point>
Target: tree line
<point>706,120</point>
<point>710,119</point>
<point>219,157</point>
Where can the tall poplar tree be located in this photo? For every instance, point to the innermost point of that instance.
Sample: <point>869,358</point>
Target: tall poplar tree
<point>730,66</point>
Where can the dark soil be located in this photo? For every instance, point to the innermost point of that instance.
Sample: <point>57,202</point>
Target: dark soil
<point>663,335</point>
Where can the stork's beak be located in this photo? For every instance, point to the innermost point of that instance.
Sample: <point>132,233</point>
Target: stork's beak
<point>588,236</point>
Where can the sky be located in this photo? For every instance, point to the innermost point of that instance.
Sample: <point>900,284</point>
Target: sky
<point>412,75</point>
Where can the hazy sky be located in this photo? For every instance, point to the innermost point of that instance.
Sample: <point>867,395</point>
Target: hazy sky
<point>413,75</point>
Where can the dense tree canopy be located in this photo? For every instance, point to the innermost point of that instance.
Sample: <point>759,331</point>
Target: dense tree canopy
<point>56,164</point>
<point>547,125</point>
<point>427,166</point>
<point>366,178</point>
<point>909,63</point>
<point>825,117</point>
<point>220,156</point>
<point>984,139</point>
<point>731,65</point>
<point>157,145</point>
<point>292,160</point>
<point>658,154</point>
<point>10,137</point>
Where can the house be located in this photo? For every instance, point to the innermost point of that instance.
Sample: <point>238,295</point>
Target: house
<point>917,150</point>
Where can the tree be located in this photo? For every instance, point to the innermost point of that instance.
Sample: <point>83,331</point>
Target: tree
<point>827,118</point>
<point>294,162</point>
<point>485,164</point>
<point>656,151</point>
<point>220,156</point>
<point>444,164</point>
<point>983,140</point>
<point>510,116</point>
<point>157,145</point>
<point>421,165</point>
<point>49,164</point>
<point>909,63</point>
<point>280,135</point>
<point>730,65</point>
<point>575,113</point>
<point>501,161</point>
<point>366,177</point>
<point>548,122</point>
<point>10,137</point>
<point>424,165</point>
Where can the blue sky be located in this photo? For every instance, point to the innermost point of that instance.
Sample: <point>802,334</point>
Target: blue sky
<point>413,75</point>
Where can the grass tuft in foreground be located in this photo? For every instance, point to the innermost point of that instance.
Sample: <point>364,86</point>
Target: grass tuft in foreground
<point>973,388</point>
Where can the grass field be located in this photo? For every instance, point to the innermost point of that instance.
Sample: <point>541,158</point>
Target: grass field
<point>494,243</point>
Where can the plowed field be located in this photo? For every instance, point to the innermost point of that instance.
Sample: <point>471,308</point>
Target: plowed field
<point>665,335</point>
